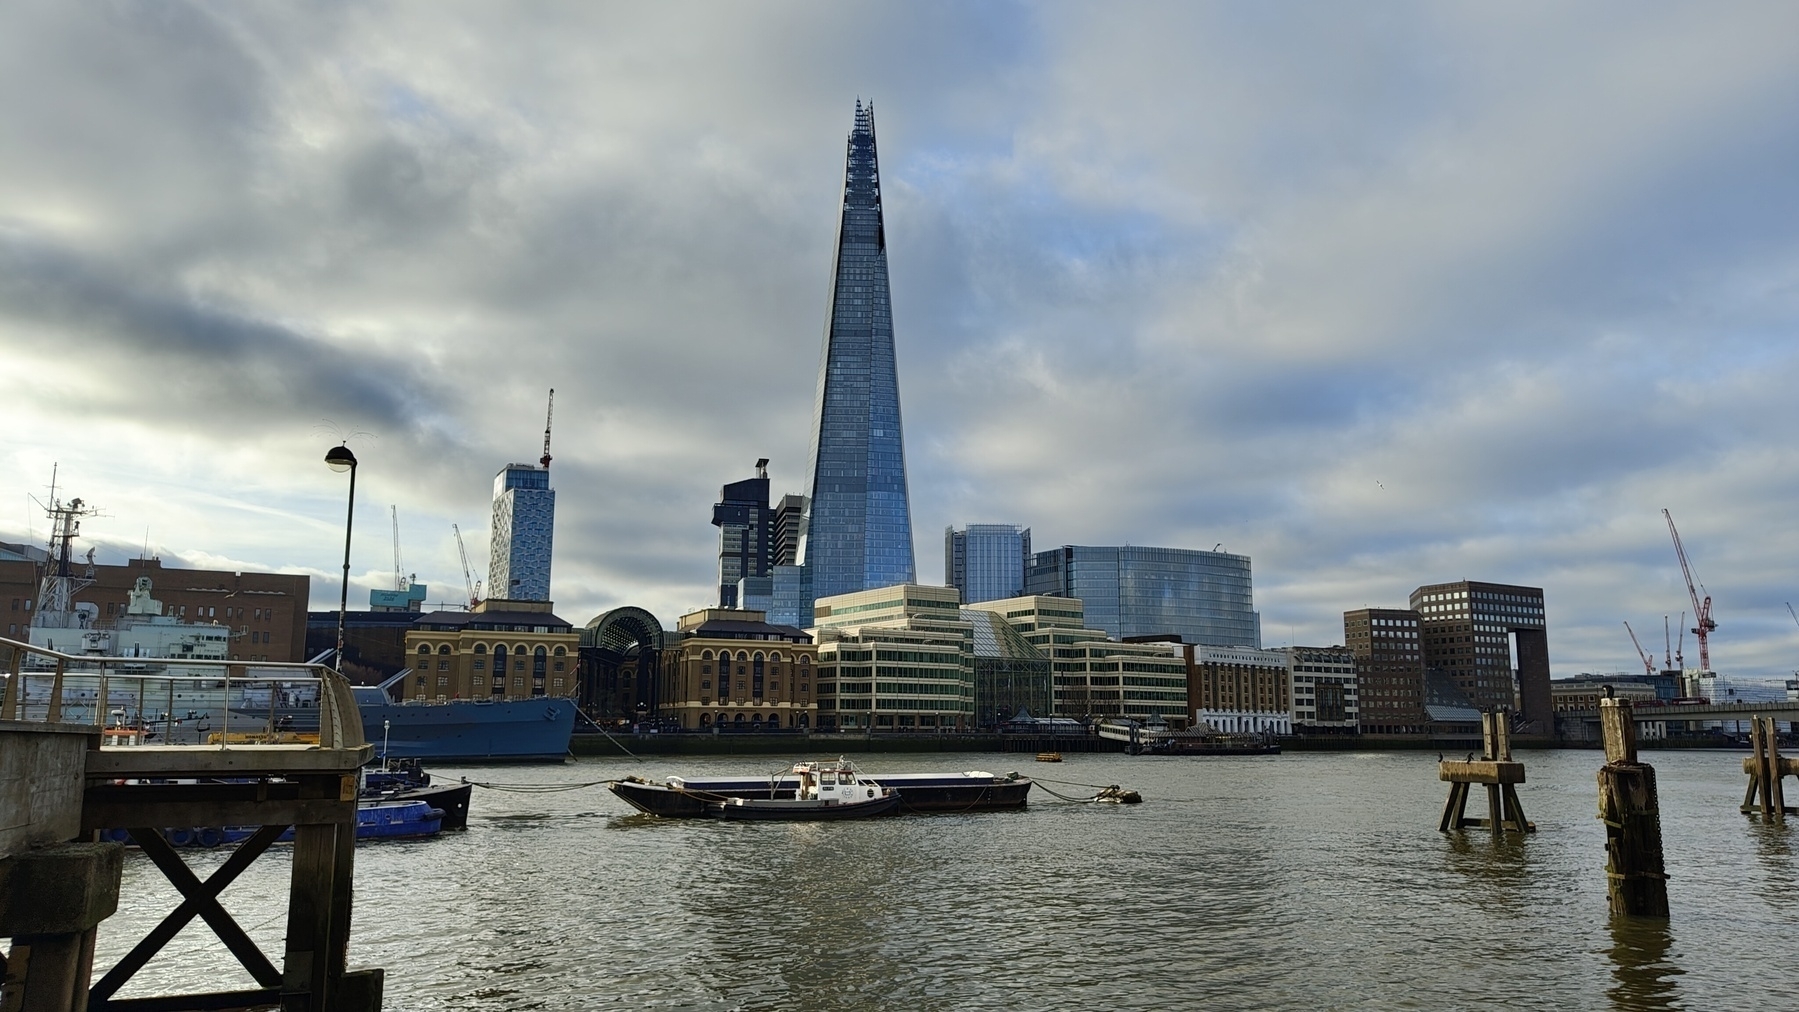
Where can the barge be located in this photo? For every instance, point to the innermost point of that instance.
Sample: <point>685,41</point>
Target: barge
<point>688,797</point>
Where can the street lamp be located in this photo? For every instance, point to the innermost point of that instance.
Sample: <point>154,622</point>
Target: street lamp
<point>340,459</point>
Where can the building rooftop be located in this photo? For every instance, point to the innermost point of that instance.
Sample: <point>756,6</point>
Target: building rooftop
<point>498,621</point>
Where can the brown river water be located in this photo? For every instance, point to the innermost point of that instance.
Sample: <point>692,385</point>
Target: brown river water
<point>1303,881</point>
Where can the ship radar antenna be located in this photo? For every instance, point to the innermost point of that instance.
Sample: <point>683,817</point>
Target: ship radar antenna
<point>549,415</point>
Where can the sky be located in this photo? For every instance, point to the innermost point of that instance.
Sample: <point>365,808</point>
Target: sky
<point>1380,295</point>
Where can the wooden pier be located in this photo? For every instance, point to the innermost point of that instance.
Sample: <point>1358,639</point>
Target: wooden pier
<point>58,883</point>
<point>1497,771</point>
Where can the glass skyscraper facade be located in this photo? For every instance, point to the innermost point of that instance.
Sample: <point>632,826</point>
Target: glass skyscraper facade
<point>522,534</point>
<point>986,561</point>
<point>1203,597</point>
<point>859,530</point>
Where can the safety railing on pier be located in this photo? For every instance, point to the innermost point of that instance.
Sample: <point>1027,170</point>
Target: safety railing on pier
<point>137,701</point>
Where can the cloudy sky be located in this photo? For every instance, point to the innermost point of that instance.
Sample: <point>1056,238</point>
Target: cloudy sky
<point>1377,294</point>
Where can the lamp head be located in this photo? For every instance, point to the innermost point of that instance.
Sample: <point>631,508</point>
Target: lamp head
<point>340,459</point>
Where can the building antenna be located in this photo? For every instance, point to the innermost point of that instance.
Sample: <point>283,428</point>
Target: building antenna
<point>548,416</point>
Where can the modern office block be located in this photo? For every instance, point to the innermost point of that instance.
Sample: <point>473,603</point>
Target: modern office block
<point>1324,690</point>
<point>790,523</point>
<point>895,658</point>
<point>1389,669</point>
<point>986,561</point>
<point>859,528</point>
<point>745,534</point>
<point>522,536</point>
<point>1009,673</point>
<point>1468,631</point>
<point>1203,597</point>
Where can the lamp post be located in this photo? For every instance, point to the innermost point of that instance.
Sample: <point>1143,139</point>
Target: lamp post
<point>339,458</point>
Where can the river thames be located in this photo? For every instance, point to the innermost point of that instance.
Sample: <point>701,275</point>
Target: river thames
<point>1302,881</point>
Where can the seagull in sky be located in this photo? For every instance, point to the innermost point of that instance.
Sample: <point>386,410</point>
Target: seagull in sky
<point>1377,482</point>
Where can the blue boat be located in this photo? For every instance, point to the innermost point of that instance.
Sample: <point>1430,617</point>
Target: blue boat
<point>466,730</point>
<point>378,820</point>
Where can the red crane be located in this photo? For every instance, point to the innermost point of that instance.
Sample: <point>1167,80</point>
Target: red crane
<point>1648,663</point>
<point>1702,611</point>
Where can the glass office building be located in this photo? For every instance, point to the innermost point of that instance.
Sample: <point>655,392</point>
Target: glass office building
<point>524,523</point>
<point>986,561</point>
<point>859,530</point>
<point>1203,597</point>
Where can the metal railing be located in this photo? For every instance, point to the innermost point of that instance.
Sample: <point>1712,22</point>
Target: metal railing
<point>136,701</point>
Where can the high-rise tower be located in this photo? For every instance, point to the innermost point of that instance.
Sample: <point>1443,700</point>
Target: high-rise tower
<point>524,522</point>
<point>859,531</point>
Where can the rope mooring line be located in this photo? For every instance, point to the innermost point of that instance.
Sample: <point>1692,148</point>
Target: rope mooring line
<point>536,788</point>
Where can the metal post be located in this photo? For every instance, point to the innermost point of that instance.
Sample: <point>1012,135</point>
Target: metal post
<point>343,601</point>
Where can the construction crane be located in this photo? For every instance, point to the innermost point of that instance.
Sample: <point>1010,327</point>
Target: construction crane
<point>468,576</point>
<point>399,581</point>
<point>1648,662</point>
<point>1668,644</point>
<point>549,415</point>
<point>1680,644</point>
<point>1791,612</point>
<point>1702,611</point>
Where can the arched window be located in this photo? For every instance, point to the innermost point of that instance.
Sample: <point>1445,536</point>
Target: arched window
<point>742,656</point>
<point>561,651</point>
<point>499,670</point>
<point>444,649</point>
<point>705,655</point>
<point>480,648</point>
<point>705,718</point>
<point>774,720</point>
<point>757,656</point>
<point>539,662</point>
<point>424,648</point>
<point>804,660</point>
<point>739,719</point>
<point>776,657</point>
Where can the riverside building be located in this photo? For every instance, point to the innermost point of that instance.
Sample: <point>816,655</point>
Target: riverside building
<point>986,561</point>
<point>502,649</point>
<point>523,532</point>
<point>733,670</point>
<point>895,658</point>
<point>859,526</point>
<point>1389,669</point>
<point>1132,591</point>
<point>1009,673</point>
<point>1241,690</point>
<point>1324,690</point>
<point>1468,631</point>
<point>1095,675</point>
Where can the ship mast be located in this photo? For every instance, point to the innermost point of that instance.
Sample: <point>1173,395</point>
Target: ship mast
<point>56,593</point>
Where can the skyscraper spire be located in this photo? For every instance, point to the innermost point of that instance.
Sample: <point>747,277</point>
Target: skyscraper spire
<point>859,533</point>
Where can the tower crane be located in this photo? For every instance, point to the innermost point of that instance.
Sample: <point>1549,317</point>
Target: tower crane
<point>1680,644</point>
<point>1702,611</point>
<point>1668,644</point>
<point>549,415</point>
<point>1648,662</point>
<point>468,577</point>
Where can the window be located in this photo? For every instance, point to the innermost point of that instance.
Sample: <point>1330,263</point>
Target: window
<point>424,648</point>
<point>444,649</point>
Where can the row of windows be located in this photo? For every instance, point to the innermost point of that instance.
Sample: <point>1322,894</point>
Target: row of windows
<point>744,655</point>
<point>481,648</point>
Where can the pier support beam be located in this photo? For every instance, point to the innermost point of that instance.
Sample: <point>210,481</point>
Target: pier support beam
<point>1636,880</point>
<point>51,899</point>
<point>1497,771</point>
<point>1767,769</point>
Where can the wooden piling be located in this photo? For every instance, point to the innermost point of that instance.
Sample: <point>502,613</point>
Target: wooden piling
<point>1497,771</point>
<point>1636,880</point>
<point>1767,768</point>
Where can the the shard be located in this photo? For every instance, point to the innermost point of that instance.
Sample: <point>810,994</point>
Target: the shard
<point>859,532</point>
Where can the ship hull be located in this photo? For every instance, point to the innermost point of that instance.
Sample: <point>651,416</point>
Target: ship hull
<point>527,730</point>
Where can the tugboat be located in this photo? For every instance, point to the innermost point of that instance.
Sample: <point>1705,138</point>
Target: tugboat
<point>828,790</point>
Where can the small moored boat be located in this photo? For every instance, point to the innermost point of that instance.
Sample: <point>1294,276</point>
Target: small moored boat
<point>827,790</point>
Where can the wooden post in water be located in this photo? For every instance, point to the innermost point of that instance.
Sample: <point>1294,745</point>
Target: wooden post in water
<point>1635,877</point>
<point>1497,771</point>
<point>1766,768</point>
